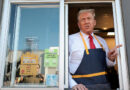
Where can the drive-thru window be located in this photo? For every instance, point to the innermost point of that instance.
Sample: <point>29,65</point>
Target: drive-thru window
<point>34,41</point>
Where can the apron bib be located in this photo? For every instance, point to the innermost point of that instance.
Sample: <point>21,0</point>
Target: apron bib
<point>92,69</point>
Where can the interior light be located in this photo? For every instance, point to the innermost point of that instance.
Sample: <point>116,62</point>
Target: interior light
<point>110,33</point>
<point>105,28</point>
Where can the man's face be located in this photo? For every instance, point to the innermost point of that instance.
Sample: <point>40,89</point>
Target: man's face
<point>86,22</point>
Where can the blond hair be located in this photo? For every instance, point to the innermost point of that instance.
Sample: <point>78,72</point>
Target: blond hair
<point>92,11</point>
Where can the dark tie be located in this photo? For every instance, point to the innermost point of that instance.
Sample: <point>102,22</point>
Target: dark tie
<point>92,46</point>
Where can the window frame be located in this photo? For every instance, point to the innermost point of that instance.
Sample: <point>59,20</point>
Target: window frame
<point>118,25</point>
<point>4,37</point>
<point>17,39</point>
<point>122,58</point>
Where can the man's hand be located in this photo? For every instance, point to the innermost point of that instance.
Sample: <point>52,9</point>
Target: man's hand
<point>112,54</point>
<point>79,87</point>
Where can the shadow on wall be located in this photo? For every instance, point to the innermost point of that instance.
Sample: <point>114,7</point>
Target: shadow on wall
<point>1,1</point>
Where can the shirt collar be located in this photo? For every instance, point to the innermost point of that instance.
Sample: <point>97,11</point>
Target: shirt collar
<point>85,35</point>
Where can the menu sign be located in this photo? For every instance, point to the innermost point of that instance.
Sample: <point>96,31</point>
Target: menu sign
<point>29,58</point>
<point>29,64</point>
<point>50,58</point>
<point>28,69</point>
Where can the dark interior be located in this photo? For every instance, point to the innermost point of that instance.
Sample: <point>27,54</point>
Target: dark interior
<point>104,17</point>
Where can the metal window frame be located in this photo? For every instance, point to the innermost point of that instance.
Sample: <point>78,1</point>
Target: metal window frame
<point>17,39</point>
<point>66,47</point>
<point>4,36</point>
<point>122,59</point>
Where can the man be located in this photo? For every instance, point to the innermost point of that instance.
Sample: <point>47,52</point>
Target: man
<point>89,56</point>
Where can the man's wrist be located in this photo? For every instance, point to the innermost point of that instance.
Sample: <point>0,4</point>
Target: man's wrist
<point>113,60</point>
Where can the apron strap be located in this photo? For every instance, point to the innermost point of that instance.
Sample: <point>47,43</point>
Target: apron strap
<point>85,45</point>
<point>86,48</point>
<point>90,75</point>
<point>98,41</point>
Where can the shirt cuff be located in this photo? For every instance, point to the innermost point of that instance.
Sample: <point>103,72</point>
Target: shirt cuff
<point>110,63</point>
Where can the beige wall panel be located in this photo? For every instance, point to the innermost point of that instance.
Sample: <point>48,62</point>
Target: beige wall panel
<point>110,42</point>
<point>104,18</point>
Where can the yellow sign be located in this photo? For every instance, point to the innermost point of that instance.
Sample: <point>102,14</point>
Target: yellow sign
<point>29,58</point>
<point>29,69</point>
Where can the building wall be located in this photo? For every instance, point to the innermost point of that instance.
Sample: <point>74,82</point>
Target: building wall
<point>126,21</point>
<point>0,11</point>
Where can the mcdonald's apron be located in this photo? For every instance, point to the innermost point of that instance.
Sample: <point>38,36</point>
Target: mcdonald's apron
<point>92,69</point>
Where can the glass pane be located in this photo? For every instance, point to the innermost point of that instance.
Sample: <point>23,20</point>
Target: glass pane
<point>33,46</point>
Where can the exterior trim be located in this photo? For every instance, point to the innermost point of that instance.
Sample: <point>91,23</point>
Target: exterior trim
<point>122,53</point>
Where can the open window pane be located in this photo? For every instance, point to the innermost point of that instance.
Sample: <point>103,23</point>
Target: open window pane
<point>33,46</point>
<point>104,28</point>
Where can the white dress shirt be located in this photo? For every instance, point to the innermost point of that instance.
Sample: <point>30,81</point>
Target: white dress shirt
<point>76,52</point>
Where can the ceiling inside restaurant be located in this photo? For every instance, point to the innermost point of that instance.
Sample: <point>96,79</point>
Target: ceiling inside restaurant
<point>104,17</point>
